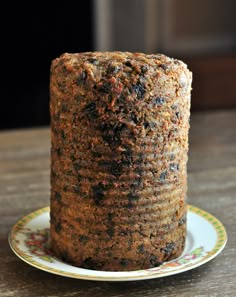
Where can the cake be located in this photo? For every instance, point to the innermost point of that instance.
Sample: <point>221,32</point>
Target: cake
<point>119,151</point>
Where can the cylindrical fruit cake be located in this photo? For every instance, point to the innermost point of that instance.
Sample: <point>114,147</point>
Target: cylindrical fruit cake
<point>119,147</point>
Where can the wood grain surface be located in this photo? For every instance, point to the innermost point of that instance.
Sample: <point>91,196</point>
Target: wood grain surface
<point>24,187</point>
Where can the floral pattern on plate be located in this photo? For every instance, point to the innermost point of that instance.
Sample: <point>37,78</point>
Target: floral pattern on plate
<point>206,238</point>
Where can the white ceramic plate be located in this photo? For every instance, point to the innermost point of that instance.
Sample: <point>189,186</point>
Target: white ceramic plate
<point>206,238</point>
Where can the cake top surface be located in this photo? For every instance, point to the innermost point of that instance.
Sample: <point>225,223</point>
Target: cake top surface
<point>97,58</point>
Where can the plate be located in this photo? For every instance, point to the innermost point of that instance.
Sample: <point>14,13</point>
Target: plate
<point>206,238</point>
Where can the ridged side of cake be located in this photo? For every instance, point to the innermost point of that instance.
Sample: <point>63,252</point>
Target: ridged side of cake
<point>119,144</point>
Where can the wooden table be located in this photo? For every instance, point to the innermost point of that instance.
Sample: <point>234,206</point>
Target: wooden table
<point>24,187</point>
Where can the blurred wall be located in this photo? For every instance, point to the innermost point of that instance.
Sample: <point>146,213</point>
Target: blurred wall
<point>175,27</point>
<point>202,33</point>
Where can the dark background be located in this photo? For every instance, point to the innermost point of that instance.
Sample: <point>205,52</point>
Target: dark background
<point>33,35</point>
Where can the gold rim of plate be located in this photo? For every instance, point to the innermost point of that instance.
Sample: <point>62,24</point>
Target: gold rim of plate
<point>30,259</point>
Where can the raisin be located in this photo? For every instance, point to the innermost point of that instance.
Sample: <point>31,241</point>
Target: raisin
<point>59,151</point>
<point>57,116</point>
<point>172,157</point>
<point>122,99</point>
<point>65,188</point>
<point>53,128</point>
<point>105,88</point>
<point>169,248</point>
<point>132,197</point>
<point>96,154</point>
<point>140,158</point>
<point>174,106</point>
<point>183,220</point>
<point>63,136</point>
<point>65,70</point>
<point>141,249</point>
<point>164,66</point>
<point>177,114</point>
<point>110,216</point>
<point>90,110</point>
<point>128,157</point>
<point>88,263</point>
<point>128,152</point>
<point>126,162</point>
<point>78,220</point>
<point>144,69</point>
<point>136,183</point>
<point>111,133</point>
<point>130,244</point>
<point>153,171</point>
<point>83,238</point>
<point>69,172</point>
<point>93,61</point>
<point>98,193</point>
<point>104,163</point>
<point>113,69</point>
<point>139,170</point>
<point>64,256</point>
<point>52,219</point>
<point>123,262</point>
<point>152,125</point>
<point>76,165</point>
<point>134,117</point>
<point>174,167</point>
<point>64,107</point>
<point>158,101</point>
<point>72,157</point>
<point>163,176</point>
<point>151,235</point>
<point>154,261</point>
<point>116,169</point>
<point>128,64</point>
<point>113,167</point>
<point>76,189</point>
<point>74,118</point>
<point>62,85</point>
<point>79,98</point>
<point>140,90</point>
<point>57,196</point>
<point>82,78</point>
<point>129,205</point>
<point>177,62</point>
<point>58,227</point>
<point>123,233</point>
<point>53,174</point>
<point>110,225</point>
